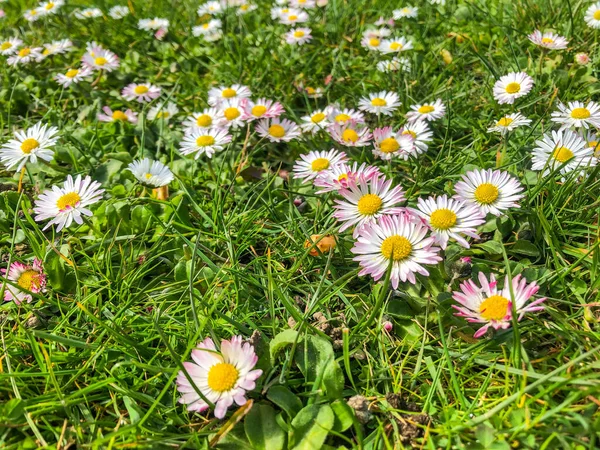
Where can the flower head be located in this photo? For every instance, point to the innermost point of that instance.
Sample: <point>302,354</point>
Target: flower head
<point>389,144</point>
<point>577,115</point>
<point>350,133</point>
<point>312,164</point>
<point>72,76</point>
<point>298,36</point>
<point>509,123</point>
<point>164,111</point>
<point>98,58</point>
<point>117,115</point>
<point>29,145</point>
<point>208,118</point>
<point>278,130</point>
<point>511,87</point>
<point>341,175</point>
<point>27,277</point>
<point>380,103</point>
<point>562,148</point>
<point>143,92</point>
<point>427,111</point>
<point>261,109</point>
<point>204,141</point>
<point>548,40</point>
<point>315,121</point>
<point>151,173</point>
<point>217,96</point>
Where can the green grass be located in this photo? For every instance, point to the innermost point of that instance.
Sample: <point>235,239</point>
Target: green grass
<point>91,363</point>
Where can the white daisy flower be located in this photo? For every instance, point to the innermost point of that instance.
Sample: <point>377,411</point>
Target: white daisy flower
<point>97,58</point>
<point>395,45</point>
<point>512,86</point>
<point>293,17</point>
<point>577,115</point>
<point>29,145</point>
<point>118,12</point>
<point>261,109</point>
<point>592,15</point>
<point>25,55</point>
<point>57,47</point>
<point>315,122</point>
<point>208,118</point>
<point>27,277</point>
<point>298,36</point>
<point>153,24</point>
<point>207,28</point>
<point>164,111</point>
<point>548,40</point>
<point>151,173</point>
<point>306,4</point>
<point>427,111</point>
<point>67,204</point>
<point>341,116</point>
<point>89,13</point>
<point>50,7</point>
<point>212,8</point>
<point>200,142</point>
<point>232,113</point>
<point>389,144</point>
<point>221,94</point>
<point>380,103</point>
<point>341,175</point>
<point>245,8</point>
<point>593,141</point>
<point>407,11</point>
<point>10,46</point>
<point>509,123</point>
<point>117,115</point>
<point>562,147</point>
<point>213,37</point>
<point>32,15</point>
<point>378,33</point>
<point>312,164</point>
<point>278,130</point>
<point>371,43</point>
<point>492,191</point>
<point>72,76</point>
<point>141,92</point>
<point>350,134</point>
<point>395,64</point>
<point>421,135</point>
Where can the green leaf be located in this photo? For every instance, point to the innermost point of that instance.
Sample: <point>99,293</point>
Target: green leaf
<point>318,362</point>
<point>525,248</point>
<point>311,426</point>
<point>491,247</point>
<point>262,429</point>
<point>343,416</point>
<point>55,269</point>
<point>283,339</point>
<point>285,399</point>
<point>135,413</point>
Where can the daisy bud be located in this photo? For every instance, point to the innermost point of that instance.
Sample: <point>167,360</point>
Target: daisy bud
<point>324,244</point>
<point>582,59</point>
<point>387,326</point>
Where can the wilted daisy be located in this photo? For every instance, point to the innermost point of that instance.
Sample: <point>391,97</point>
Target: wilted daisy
<point>151,173</point>
<point>312,164</point>
<point>509,123</point>
<point>394,65</point>
<point>98,58</point>
<point>153,24</point>
<point>407,11</point>
<point>278,130</point>
<point>512,86</point>
<point>223,93</point>
<point>212,7</point>
<point>118,12</point>
<point>314,122</point>
<point>492,191</point>
<point>397,241</point>
<point>367,200</point>
<point>389,144</point>
<point>10,46</point>
<point>24,56</point>
<point>72,76</point>
<point>261,109</point>
<point>163,112</point>
<point>63,205</point>
<point>427,111</point>
<point>341,175</point>
<point>491,306</point>
<point>200,142</point>
<point>293,17</point>
<point>89,13</point>
<point>449,219</point>
<point>222,376</point>
<point>562,147</point>
<point>142,92</point>
<point>29,145</point>
<point>298,36</point>
<point>117,115</point>
<point>421,135</point>
<point>577,115</point>
<point>548,40</point>
<point>395,45</point>
<point>232,113</point>
<point>207,28</point>
<point>380,103</point>
<point>27,277</point>
<point>57,47</point>
<point>350,134</point>
<point>50,7</point>
<point>209,118</point>
<point>341,116</point>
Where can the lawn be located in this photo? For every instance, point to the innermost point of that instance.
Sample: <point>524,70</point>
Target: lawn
<point>268,225</point>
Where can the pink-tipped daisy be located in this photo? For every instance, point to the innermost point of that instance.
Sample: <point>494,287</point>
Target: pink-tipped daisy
<point>261,109</point>
<point>98,58</point>
<point>216,96</point>
<point>28,278</point>
<point>142,92</point>
<point>298,36</point>
<point>389,144</point>
<point>341,175</point>
<point>117,115</point>
<point>548,40</point>
<point>350,134</point>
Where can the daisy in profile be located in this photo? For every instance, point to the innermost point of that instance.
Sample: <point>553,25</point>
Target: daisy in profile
<point>210,27</point>
<point>221,94</point>
<point>27,277</point>
<point>142,92</point>
<point>212,7</point>
<point>118,12</point>
<point>488,305</point>
<point>222,376</point>
<point>563,147</point>
<point>449,219</point>
<point>341,116</point>
<point>232,113</point>
<point>492,191</point>
<point>427,111</point>
<point>380,103</point>
<point>50,7</point>
<point>421,136</point>
<point>151,173</point>
<point>512,86</point>
<point>389,144</point>
<point>10,46</point>
<point>261,109</point>
<point>278,130</point>
<point>57,47</point>
<point>208,118</point>
<point>350,134</point>
<point>25,55</point>
<point>98,58</point>
<point>117,115</point>
<point>592,15</point>
<point>394,65</point>
<point>89,13</point>
<point>508,123</point>
<point>200,142</point>
<point>367,200</point>
<point>314,163</point>
<point>395,45</point>
<point>408,11</point>
<point>63,205</point>
<point>153,24</point>
<point>341,175</point>
<point>397,241</point>
<point>315,122</point>
<point>298,36</point>
<point>29,145</point>
<point>577,115</point>
<point>306,4</point>
<point>548,40</point>
<point>163,112</point>
<point>73,76</point>
<point>293,17</point>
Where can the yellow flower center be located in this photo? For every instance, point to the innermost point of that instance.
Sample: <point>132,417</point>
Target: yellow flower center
<point>547,40</point>
<point>139,90</point>
<point>28,279</point>
<point>513,88</point>
<point>229,93</point>
<point>378,102</point>
<point>205,26</point>
<point>426,109</point>
<point>505,121</point>
<point>486,193</point>
<point>244,7</point>
<point>5,46</point>
<point>318,117</point>
<point>350,136</point>
<point>205,141</point>
<point>442,219</point>
<point>298,33</point>
<point>562,154</point>
<point>310,90</point>
<point>276,131</point>
<point>580,113</point>
<point>494,308</point>
<point>204,121</point>
<point>593,144</point>
<point>597,15</point>
<point>46,51</point>
<point>396,248</point>
<point>343,177</point>
<point>405,10</point>
<point>369,204</point>
<point>162,115</point>
<point>342,117</point>
<point>119,115</point>
<point>389,145</point>
<point>319,164</point>
<point>293,17</point>
<point>374,42</point>
<point>24,52</point>
<point>69,200</point>
<point>49,6</point>
<point>148,176</point>
<point>222,377</point>
<point>28,145</point>
<point>396,46</point>
<point>258,110</point>
<point>72,73</point>
<point>411,132</point>
<point>33,12</point>
<point>231,113</point>
<point>100,61</point>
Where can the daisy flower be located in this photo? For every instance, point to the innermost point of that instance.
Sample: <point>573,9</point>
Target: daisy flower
<point>69,203</point>
<point>207,28</point>
<point>367,200</point>
<point>27,277</point>
<point>29,145</point>
<point>314,163</point>
<point>225,93</point>
<point>223,377</point>
<point>592,15</point>
<point>209,8</point>
<point>492,191</point>
<point>261,109</point>
<point>89,13</point>
<point>312,92</point>
<point>32,15</point>
<point>395,45</point>
<point>164,111</point>
<point>593,141</point>
<point>449,219</point>
<point>206,119</point>
<point>341,175</point>
<point>307,4</point>
<point>278,130</point>
<point>118,12</point>
<point>378,33</point>
<point>117,115</point>
<point>24,56</point>
<point>10,46</point>
<point>97,58</point>
<point>57,48</point>
<point>143,92</point>
<point>388,144</point>
<point>199,142</point>
<point>232,113</point>
<point>562,147</point>
<point>421,135</point>
<point>407,11</point>
<point>341,116</point>
<point>397,241</point>
<point>314,122</point>
<point>512,86</point>
<point>151,173</point>
<point>350,134</point>
<point>427,111</point>
<point>577,115</point>
<point>380,103</point>
<point>509,123</point>
<point>491,306</point>
<point>298,36</point>
<point>50,7</point>
<point>293,17</point>
<point>582,59</point>
<point>371,43</point>
<point>72,76</point>
<point>548,40</point>
<point>393,65</point>
<point>245,8</point>
<point>153,24</point>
